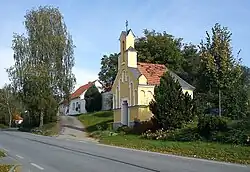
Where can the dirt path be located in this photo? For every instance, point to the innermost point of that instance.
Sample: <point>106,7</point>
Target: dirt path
<point>72,128</point>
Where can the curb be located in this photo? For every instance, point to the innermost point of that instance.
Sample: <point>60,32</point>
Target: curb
<point>13,168</point>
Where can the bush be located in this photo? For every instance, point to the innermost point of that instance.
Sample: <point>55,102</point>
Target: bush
<point>143,126</point>
<point>170,106</point>
<point>93,99</point>
<point>208,124</point>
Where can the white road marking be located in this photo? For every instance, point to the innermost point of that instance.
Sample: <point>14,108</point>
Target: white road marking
<point>82,141</point>
<point>37,166</point>
<point>6,150</point>
<point>19,156</point>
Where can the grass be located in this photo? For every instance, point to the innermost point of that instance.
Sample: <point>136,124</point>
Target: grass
<point>99,121</point>
<point>49,129</point>
<point>206,150</point>
<point>5,168</point>
<point>2,154</point>
<point>2,126</point>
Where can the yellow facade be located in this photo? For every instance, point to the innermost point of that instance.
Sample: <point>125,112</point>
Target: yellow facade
<point>131,93</point>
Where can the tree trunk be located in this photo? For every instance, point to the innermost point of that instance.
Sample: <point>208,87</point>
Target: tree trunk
<point>41,120</point>
<point>10,117</point>
<point>219,102</point>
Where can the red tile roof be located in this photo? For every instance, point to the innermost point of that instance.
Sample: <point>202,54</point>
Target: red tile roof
<point>152,72</point>
<point>81,89</point>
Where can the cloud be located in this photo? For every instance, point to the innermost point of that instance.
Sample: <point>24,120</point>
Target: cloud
<point>6,57</point>
<point>83,76</point>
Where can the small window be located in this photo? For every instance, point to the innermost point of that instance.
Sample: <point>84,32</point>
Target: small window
<point>74,106</point>
<point>123,76</point>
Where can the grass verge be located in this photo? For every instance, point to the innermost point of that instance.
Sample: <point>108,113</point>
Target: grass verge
<point>206,150</point>
<point>49,129</point>
<point>96,123</point>
<point>2,126</point>
<point>5,168</point>
<point>2,154</point>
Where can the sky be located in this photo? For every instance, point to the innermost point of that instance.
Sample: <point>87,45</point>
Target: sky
<point>96,26</point>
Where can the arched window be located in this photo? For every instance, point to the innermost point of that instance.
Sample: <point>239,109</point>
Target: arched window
<point>123,50</point>
<point>131,94</point>
<point>142,97</point>
<point>149,96</point>
<point>117,98</point>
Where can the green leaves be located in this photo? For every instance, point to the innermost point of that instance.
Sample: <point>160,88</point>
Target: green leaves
<point>93,99</point>
<point>42,73</point>
<point>171,108</point>
<point>109,69</point>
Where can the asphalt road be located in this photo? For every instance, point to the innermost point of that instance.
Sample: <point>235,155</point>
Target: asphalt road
<point>41,153</point>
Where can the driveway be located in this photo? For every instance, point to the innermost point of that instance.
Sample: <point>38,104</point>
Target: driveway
<point>72,128</point>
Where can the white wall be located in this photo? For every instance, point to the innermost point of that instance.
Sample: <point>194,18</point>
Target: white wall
<point>73,105</point>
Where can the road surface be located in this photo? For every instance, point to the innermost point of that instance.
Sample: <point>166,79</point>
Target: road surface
<point>52,154</point>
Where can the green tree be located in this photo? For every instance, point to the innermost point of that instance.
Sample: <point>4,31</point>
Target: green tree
<point>93,99</point>
<point>109,68</point>
<point>7,104</point>
<point>42,73</point>
<point>162,48</point>
<point>220,72</point>
<point>190,65</point>
<point>171,108</point>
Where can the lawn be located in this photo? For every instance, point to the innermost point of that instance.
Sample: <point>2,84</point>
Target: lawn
<point>97,121</point>
<point>208,150</point>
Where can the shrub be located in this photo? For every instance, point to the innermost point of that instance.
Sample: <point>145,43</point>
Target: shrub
<point>170,106</point>
<point>208,124</point>
<point>143,126</point>
<point>93,99</point>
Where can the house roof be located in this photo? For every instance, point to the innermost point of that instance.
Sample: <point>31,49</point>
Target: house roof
<point>81,89</point>
<point>153,73</point>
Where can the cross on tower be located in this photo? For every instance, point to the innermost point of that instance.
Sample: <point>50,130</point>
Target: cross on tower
<point>126,25</point>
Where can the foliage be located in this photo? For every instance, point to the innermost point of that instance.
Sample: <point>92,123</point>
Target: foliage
<point>207,150</point>
<point>170,106</point>
<point>162,48</point>
<point>220,72</point>
<point>5,167</point>
<point>42,73</point>
<point>2,126</point>
<point>156,47</point>
<point>97,121</point>
<point>49,129</point>
<point>93,99</point>
<point>108,71</point>
<point>238,133</point>
<point>209,123</point>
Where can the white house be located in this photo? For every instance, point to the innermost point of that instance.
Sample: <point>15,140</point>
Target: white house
<point>77,102</point>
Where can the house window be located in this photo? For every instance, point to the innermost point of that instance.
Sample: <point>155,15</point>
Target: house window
<point>131,94</point>
<point>74,106</point>
<point>135,95</point>
<point>142,96</point>
<point>149,96</point>
<point>123,76</point>
<point>123,50</point>
<point>117,98</point>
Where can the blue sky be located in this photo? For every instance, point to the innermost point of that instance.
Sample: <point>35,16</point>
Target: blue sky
<point>96,25</point>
